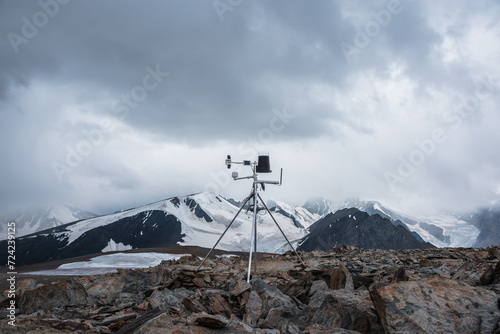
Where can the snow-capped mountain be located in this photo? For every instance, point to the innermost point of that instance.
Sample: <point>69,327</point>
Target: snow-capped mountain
<point>443,230</point>
<point>38,219</point>
<point>196,220</point>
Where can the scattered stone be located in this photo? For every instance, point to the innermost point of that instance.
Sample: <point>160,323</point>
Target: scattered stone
<point>154,321</point>
<point>400,275</point>
<point>488,276</point>
<point>240,287</point>
<point>297,288</point>
<point>318,329</point>
<point>341,278</point>
<point>164,300</point>
<point>65,325</point>
<point>253,308</point>
<point>118,317</point>
<point>217,304</point>
<point>272,297</point>
<point>362,282</point>
<point>428,263</point>
<point>496,274</point>
<point>207,320</point>
<point>200,282</point>
<point>193,305</point>
<point>463,272</point>
<point>319,285</point>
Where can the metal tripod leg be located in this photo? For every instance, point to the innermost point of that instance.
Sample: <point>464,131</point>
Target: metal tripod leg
<point>253,240</point>
<point>255,210</point>
<point>227,228</point>
<point>281,230</point>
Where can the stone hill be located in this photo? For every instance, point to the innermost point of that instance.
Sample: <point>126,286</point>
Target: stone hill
<point>343,290</point>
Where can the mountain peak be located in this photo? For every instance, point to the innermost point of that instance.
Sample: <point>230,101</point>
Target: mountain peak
<point>357,228</point>
<point>319,205</point>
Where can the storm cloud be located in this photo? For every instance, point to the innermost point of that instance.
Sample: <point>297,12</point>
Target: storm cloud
<point>111,104</point>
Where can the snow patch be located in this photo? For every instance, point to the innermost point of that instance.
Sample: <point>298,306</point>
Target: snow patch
<point>109,263</point>
<point>113,246</point>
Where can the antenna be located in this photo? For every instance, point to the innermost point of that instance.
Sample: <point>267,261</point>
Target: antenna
<point>262,165</point>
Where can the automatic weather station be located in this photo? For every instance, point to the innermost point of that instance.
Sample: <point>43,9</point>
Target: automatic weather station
<point>261,166</point>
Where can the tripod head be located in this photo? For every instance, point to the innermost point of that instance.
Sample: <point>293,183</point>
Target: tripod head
<point>262,165</point>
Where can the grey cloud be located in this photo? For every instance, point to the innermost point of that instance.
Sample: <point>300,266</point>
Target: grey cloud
<point>226,79</point>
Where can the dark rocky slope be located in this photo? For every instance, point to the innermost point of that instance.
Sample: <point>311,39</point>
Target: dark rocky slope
<point>144,230</point>
<point>357,228</point>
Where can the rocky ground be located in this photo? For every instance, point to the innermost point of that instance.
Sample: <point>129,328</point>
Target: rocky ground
<point>345,290</point>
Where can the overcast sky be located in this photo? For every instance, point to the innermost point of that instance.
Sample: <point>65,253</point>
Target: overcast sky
<point>112,104</point>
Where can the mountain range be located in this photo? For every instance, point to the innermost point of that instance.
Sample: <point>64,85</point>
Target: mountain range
<point>196,219</point>
<point>444,230</point>
<point>37,219</point>
<point>200,219</point>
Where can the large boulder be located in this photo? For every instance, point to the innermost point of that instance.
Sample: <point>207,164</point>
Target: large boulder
<point>47,297</point>
<point>345,309</point>
<point>435,305</point>
<point>272,297</point>
<point>277,309</point>
<point>114,288</point>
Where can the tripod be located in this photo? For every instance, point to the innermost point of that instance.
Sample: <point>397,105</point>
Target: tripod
<point>254,195</point>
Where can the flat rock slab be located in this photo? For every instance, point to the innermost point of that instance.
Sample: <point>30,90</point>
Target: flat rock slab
<point>208,320</point>
<point>118,317</point>
<point>436,305</point>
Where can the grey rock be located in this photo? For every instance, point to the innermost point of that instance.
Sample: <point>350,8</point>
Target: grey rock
<point>165,300</point>
<point>193,305</point>
<point>496,274</point>
<point>400,275</point>
<point>488,276</point>
<point>344,309</point>
<point>341,278</point>
<point>318,285</point>
<point>156,325</point>
<point>50,296</point>
<point>253,308</point>
<point>272,297</point>
<point>118,317</point>
<point>240,287</point>
<point>207,320</point>
<point>435,305</point>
